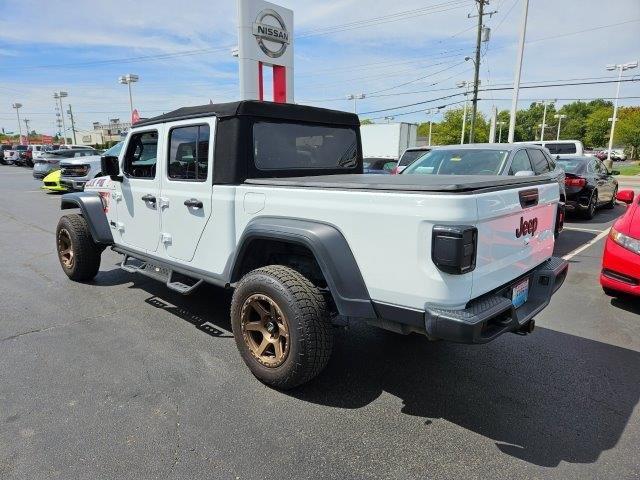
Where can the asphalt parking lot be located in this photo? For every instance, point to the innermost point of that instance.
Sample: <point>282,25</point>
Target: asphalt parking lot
<point>121,378</point>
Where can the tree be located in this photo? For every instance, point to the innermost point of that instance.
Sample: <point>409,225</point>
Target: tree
<point>448,131</point>
<point>628,129</point>
<point>598,127</point>
<point>366,121</point>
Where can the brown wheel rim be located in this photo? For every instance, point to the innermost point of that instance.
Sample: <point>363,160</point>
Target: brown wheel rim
<point>65,249</point>
<point>265,330</point>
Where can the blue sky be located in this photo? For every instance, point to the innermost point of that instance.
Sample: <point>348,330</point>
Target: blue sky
<point>182,53</point>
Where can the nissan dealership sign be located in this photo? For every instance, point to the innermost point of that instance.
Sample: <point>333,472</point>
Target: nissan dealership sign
<point>271,33</point>
<point>265,42</point>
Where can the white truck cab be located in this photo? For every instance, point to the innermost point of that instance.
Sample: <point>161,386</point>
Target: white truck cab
<point>270,200</point>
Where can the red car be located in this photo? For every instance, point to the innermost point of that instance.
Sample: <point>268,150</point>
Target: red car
<point>621,260</point>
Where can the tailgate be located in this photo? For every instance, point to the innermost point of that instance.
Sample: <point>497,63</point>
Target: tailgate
<point>515,234</point>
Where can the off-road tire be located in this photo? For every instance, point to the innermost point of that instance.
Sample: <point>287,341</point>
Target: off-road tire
<point>86,253</point>
<point>310,334</point>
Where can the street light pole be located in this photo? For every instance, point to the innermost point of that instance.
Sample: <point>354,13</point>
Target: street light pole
<point>559,117</point>
<point>500,124</point>
<point>430,112</point>
<point>73,125</point>
<point>464,84</point>
<point>26,125</point>
<point>544,117</point>
<point>516,81</point>
<point>17,106</point>
<point>128,79</point>
<point>355,97</point>
<point>621,68</point>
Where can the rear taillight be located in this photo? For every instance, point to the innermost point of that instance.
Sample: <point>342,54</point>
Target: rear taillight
<point>575,181</point>
<point>454,248</point>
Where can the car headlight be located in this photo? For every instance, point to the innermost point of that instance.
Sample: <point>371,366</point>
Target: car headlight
<point>625,241</point>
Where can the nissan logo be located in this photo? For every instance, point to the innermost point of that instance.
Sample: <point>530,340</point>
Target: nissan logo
<point>273,36</point>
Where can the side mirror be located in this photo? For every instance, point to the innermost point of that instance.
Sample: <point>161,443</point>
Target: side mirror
<point>111,167</point>
<point>615,172</point>
<point>625,196</point>
<point>525,173</point>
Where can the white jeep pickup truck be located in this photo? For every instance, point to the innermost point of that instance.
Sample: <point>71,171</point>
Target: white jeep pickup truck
<point>270,200</point>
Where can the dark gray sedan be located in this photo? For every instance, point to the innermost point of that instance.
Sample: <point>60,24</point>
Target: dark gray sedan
<point>50,161</point>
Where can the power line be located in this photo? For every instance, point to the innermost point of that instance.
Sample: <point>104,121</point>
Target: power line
<point>500,89</point>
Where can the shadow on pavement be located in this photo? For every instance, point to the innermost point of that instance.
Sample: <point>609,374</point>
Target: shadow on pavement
<point>627,303</point>
<point>569,240</point>
<point>547,398</point>
<point>603,215</point>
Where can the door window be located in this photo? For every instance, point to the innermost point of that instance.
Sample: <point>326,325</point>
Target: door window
<point>141,157</point>
<point>189,153</point>
<point>520,163</point>
<point>539,161</point>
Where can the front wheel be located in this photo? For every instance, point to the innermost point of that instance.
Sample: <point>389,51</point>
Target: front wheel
<point>281,326</point>
<point>590,212</point>
<point>78,254</point>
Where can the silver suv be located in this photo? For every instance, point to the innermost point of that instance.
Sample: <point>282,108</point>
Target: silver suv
<point>75,172</point>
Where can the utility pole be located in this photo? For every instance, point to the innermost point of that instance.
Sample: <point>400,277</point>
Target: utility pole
<point>479,40</point>
<point>18,106</point>
<point>516,81</point>
<point>73,125</point>
<point>355,97</point>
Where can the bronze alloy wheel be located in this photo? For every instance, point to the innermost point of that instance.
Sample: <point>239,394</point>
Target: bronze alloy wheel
<point>65,249</point>
<point>265,330</point>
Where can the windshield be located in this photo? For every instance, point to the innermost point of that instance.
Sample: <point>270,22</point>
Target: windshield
<point>570,165</point>
<point>21,147</point>
<point>115,150</point>
<point>459,162</point>
<point>409,156</point>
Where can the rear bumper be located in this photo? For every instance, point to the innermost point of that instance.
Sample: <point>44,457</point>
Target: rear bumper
<point>491,315</point>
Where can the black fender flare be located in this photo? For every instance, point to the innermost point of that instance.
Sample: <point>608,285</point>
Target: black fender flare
<point>92,210</point>
<point>330,249</point>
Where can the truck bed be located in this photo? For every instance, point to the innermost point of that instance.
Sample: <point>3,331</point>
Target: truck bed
<point>406,183</point>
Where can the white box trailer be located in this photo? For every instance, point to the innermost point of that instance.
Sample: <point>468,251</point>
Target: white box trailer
<point>388,140</point>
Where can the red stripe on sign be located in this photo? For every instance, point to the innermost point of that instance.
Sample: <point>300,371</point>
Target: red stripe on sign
<point>260,83</point>
<point>279,84</point>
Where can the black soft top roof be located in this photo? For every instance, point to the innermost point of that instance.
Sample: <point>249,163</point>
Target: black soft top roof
<point>283,111</point>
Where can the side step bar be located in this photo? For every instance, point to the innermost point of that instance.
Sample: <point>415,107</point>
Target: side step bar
<point>159,273</point>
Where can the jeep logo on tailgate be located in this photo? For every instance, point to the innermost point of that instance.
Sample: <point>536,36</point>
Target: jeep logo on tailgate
<point>529,226</point>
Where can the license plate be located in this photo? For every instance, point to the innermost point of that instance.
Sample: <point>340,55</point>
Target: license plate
<point>520,293</point>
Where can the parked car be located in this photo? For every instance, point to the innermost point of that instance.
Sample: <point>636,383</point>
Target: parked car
<point>561,147</point>
<point>77,171</point>
<point>618,155</point>
<point>52,182</point>
<point>589,185</point>
<point>409,156</point>
<point>15,154</point>
<point>285,217</point>
<point>520,160</point>
<point>51,160</point>
<point>4,148</point>
<point>379,166</point>
<point>621,259</point>
<point>74,147</point>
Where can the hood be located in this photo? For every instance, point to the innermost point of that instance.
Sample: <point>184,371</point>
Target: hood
<point>90,160</point>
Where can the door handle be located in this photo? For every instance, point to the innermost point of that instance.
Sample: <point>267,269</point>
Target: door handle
<point>149,198</point>
<point>193,203</point>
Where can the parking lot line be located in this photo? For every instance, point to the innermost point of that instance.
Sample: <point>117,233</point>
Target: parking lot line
<point>590,230</point>
<point>586,245</point>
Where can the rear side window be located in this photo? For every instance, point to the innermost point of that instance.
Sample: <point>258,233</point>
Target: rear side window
<point>561,148</point>
<point>189,153</point>
<point>284,146</point>
<point>520,163</point>
<point>141,156</point>
<point>539,161</point>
